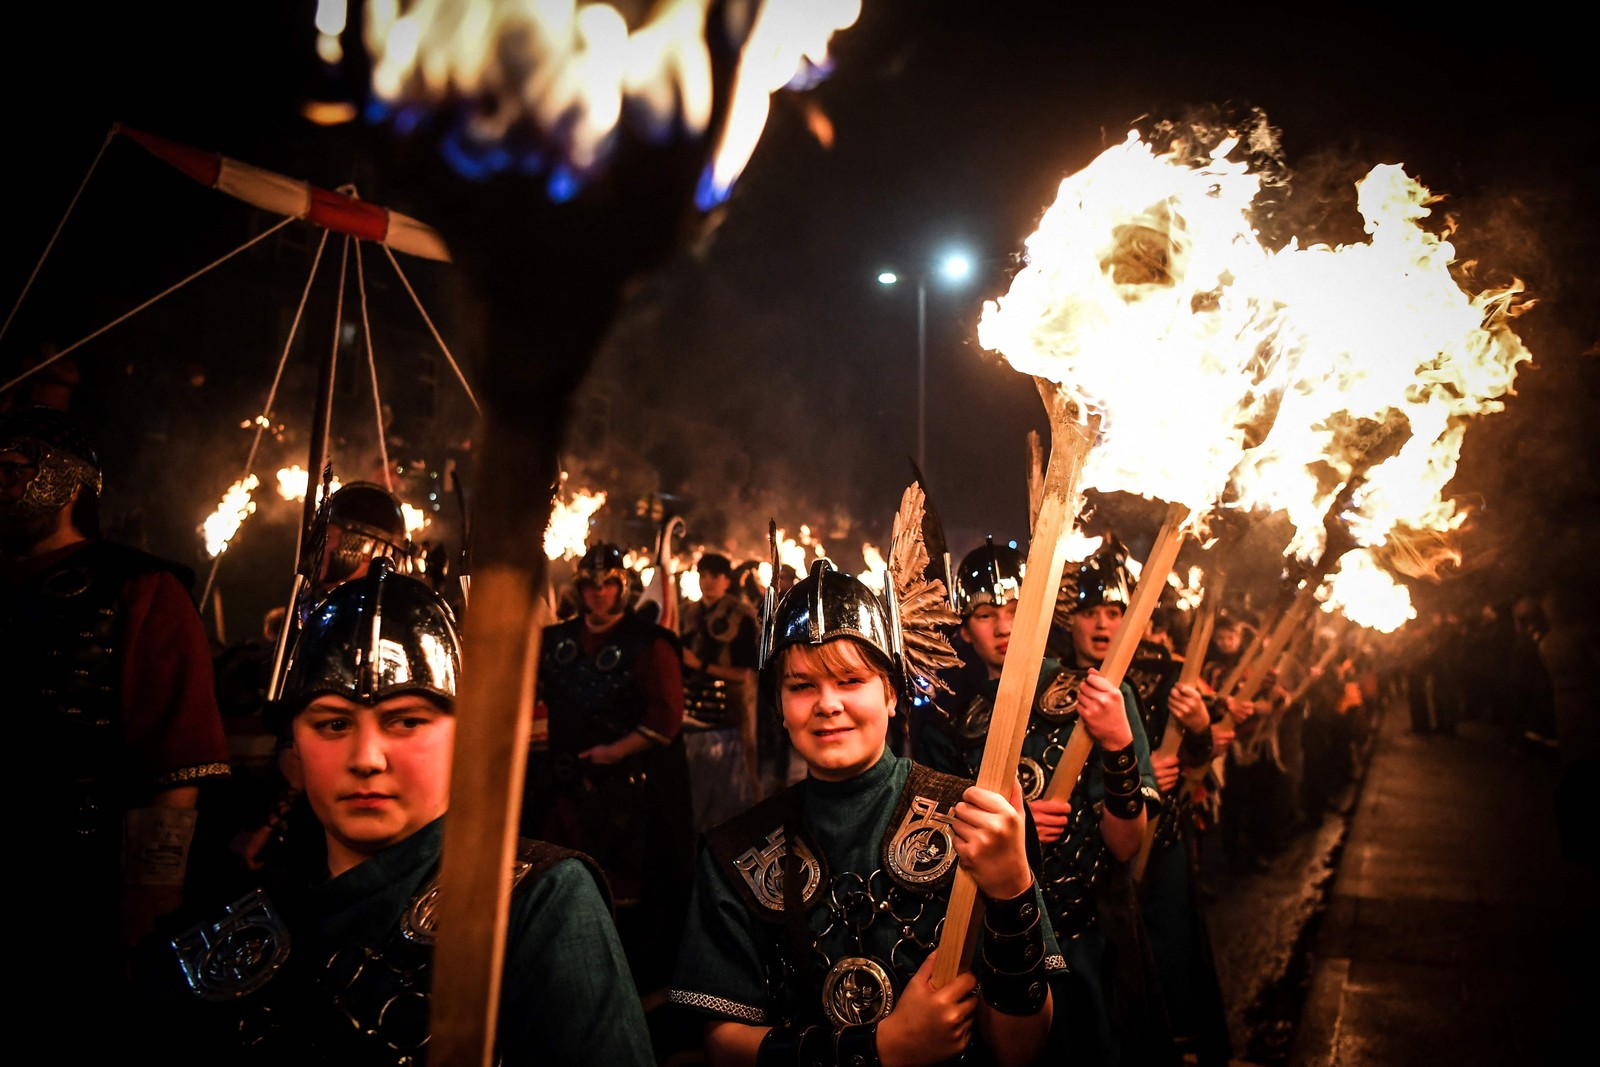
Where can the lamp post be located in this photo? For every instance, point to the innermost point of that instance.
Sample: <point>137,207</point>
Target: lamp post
<point>954,267</point>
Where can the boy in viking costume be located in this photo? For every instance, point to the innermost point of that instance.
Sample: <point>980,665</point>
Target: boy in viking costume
<point>334,964</point>
<point>811,933</point>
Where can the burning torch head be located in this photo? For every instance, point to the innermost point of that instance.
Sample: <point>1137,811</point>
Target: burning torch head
<point>382,635</point>
<point>824,605</point>
<point>989,574</point>
<point>364,522</point>
<point>53,460</point>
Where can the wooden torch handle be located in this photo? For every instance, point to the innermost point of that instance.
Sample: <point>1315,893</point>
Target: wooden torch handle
<point>1047,551</point>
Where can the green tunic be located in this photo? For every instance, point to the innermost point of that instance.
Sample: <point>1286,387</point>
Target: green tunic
<point>566,994</point>
<point>736,964</point>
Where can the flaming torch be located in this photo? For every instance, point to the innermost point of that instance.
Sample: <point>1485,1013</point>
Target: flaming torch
<point>589,136</point>
<point>1139,297</point>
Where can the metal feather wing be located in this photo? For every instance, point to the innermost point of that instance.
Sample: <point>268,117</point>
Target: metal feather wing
<point>925,616</point>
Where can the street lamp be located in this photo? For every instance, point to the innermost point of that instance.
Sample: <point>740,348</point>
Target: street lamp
<point>954,267</point>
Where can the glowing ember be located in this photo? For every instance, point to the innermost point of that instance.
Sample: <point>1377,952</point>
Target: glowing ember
<point>224,522</point>
<point>1365,594</point>
<point>573,71</point>
<point>568,532</point>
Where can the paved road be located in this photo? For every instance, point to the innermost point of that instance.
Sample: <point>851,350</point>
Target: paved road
<point>1434,923</point>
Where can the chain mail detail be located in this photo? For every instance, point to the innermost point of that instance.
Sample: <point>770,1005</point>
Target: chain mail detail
<point>720,1005</point>
<point>1074,862</point>
<point>1176,812</point>
<point>859,916</point>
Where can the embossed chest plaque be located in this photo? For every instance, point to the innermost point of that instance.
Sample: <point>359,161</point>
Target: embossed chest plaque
<point>857,991</point>
<point>236,955</point>
<point>1030,772</point>
<point>762,869</point>
<point>1059,699</point>
<point>923,847</point>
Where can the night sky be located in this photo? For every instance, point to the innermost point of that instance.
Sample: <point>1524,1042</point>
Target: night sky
<point>761,371</point>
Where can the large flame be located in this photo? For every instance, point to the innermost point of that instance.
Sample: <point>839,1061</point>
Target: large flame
<point>220,526</point>
<point>1383,337</point>
<point>1139,299</point>
<point>1222,370</point>
<point>574,72</point>
<point>1365,594</point>
<point>567,534</point>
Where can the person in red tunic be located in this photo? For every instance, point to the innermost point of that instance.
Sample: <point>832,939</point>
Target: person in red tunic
<point>112,694</point>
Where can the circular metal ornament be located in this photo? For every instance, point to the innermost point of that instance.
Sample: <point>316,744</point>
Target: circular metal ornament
<point>974,722</point>
<point>857,991</point>
<point>1031,773</point>
<point>566,651</point>
<point>1058,700</point>
<point>608,658</point>
<point>243,961</point>
<point>922,852</point>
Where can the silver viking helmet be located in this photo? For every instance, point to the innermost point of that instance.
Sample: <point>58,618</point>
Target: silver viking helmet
<point>1103,578</point>
<point>825,604</point>
<point>989,574</point>
<point>908,625</point>
<point>379,636</point>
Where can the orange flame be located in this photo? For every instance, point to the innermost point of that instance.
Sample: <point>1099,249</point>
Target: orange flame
<point>567,533</point>
<point>1365,594</point>
<point>874,572</point>
<point>1148,296</point>
<point>220,526</point>
<point>572,70</point>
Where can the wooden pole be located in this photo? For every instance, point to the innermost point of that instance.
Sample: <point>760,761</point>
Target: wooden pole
<point>1152,579</point>
<point>1019,678</point>
<point>1194,655</point>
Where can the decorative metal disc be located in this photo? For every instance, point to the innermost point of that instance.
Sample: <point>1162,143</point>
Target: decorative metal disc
<point>566,651</point>
<point>608,658</point>
<point>923,847</point>
<point>238,954</point>
<point>1058,701</point>
<point>857,991</point>
<point>762,869</point>
<point>1032,776</point>
<point>973,724</point>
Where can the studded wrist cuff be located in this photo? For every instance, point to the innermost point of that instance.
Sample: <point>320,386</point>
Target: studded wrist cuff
<point>1125,805</point>
<point>1196,747</point>
<point>819,1046</point>
<point>1009,918</point>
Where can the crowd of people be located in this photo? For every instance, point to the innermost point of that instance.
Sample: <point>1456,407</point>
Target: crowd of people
<point>744,818</point>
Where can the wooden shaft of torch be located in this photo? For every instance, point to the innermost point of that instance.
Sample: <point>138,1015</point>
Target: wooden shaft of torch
<point>502,634</point>
<point>1278,639</point>
<point>1321,665</point>
<point>1194,654</point>
<point>1047,555</point>
<point>1130,631</point>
